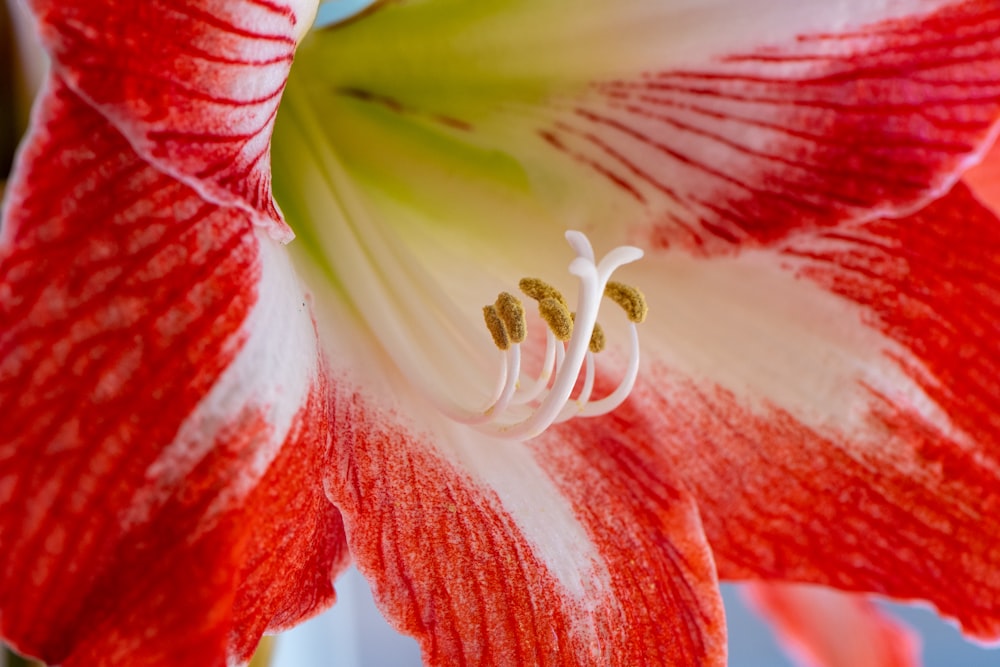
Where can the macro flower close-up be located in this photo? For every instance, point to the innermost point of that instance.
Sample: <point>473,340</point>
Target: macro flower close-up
<point>547,316</point>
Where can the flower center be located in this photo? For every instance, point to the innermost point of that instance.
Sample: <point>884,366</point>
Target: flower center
<point>573,339</point>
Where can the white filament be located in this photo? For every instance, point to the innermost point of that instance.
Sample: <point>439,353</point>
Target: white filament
<point>533,391</point>
<point>546,405</point>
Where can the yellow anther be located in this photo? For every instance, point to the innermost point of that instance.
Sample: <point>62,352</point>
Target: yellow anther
<point>496,327</point>
<point>538,290</point>
<point>557,316</point>
<point>597,339</point>
<point>511,313</point>
<point>630,299</point>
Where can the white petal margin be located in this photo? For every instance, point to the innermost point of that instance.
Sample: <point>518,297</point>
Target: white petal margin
<point>270,376</point>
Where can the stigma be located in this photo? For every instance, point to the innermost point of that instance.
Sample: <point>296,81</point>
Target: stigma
<point>524,408</point>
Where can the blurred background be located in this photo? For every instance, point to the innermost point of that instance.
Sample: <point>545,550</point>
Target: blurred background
<point>353,634</point>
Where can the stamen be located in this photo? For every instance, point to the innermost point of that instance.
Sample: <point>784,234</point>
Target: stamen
<point>558,317</point>
<point>630,299</point>
<point>571,343</point>
<point>588,382</point>
<point>496,327</point>
<point>597,339</point>
<point>618,396</point>
<point>538,290</point>
<point>511,313</point>
<point>535,390</point>
<point>575,408</point>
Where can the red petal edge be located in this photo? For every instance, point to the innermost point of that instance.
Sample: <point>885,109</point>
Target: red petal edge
<point>194,85</point>
<point>450,566</point>
<point>122,296</point>
<point>825,628</point>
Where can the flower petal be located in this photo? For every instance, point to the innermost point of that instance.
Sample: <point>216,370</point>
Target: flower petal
<point>826,628</point>
<point>164,413</point>
<point>709,126</point>
<point>845,433</point>
<point>492,553</point>
<point>194,86</point>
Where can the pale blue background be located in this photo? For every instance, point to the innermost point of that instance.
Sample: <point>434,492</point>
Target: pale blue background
<point>332,10</point>
<point>353,634</point>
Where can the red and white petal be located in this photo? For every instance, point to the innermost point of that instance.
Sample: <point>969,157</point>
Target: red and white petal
<point>821,627</point>
<point>833,406</point>
<point>705,127</point>
<point>194,86</point>
<point>164,413</point>
<point>570,551</point>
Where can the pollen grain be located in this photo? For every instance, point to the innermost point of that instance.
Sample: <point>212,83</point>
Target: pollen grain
<point>630,299</point>
<point>597,339</point>
<point>511,313</point>
<point>496,327</point>
<point>538,290</point>
<point>557,316</point>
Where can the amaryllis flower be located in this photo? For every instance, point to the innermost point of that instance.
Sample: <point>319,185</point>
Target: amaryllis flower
<point>202,425</point>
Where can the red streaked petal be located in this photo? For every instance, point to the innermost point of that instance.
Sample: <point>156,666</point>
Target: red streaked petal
<point>929,284</point>
<point>826,628</point>
<point>570,551</point>
<point>650,537</point>
<point>164,414</point>
<point>882,473</point>
<point>707,127</point>
<point>193,85</point>
<point>846,125</point>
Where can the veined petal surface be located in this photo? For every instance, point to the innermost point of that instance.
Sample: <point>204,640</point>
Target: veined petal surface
<point>165,410</point>
<point>193,86</point>
<point>705,125</point>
